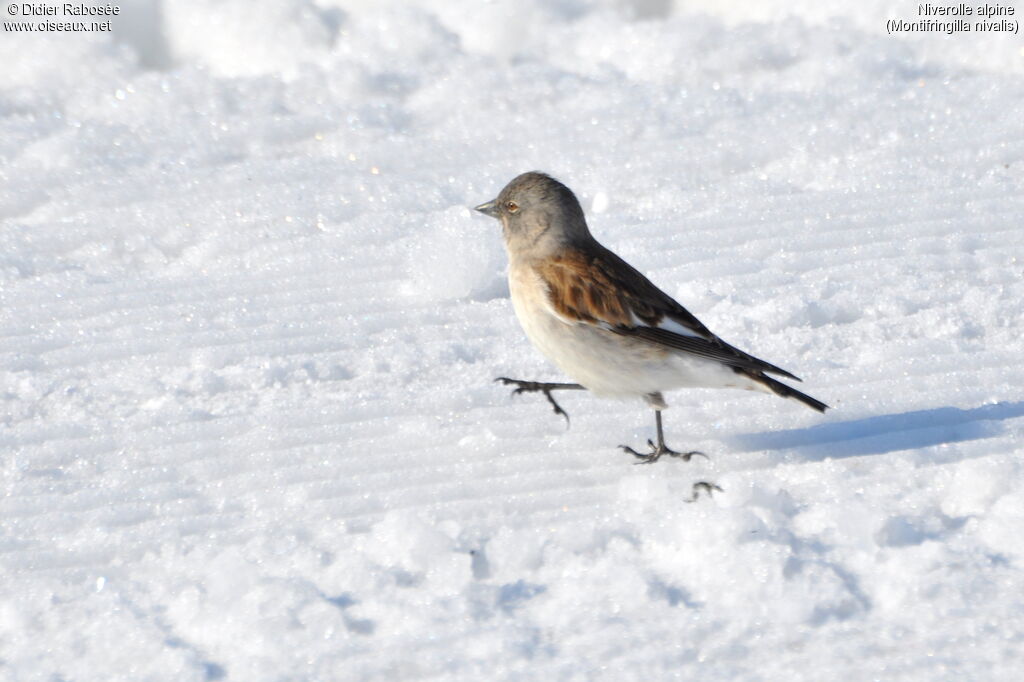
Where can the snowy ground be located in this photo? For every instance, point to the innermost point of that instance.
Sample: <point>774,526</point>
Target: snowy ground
<point>249,330</point>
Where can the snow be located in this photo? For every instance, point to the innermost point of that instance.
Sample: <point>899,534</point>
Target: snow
<point>249,330</point>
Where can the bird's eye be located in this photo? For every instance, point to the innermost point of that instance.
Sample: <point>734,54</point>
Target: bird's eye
<point>511,206</point>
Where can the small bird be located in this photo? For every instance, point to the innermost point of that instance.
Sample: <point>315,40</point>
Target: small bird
<point>602,322</point>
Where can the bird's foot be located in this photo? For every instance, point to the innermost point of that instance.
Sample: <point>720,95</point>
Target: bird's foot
<point>657,451</point>
<point>535,386</point>
<point>709,488</point>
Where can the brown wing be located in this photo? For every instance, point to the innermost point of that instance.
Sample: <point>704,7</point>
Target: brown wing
<point>594,286</point>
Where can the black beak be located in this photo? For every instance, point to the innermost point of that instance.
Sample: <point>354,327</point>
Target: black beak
<point>490,208</point>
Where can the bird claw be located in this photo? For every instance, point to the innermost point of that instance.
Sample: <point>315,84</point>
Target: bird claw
<point>657,451</point>
<point>532,387</point>
<point>709,488</point>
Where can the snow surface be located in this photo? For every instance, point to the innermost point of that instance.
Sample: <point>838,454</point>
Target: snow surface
<point>249,329</point>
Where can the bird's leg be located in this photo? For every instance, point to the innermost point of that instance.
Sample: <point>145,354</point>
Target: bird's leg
<point>545,388</point>
<point>660,449</point>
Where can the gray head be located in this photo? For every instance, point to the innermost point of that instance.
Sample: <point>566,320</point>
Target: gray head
<point>538,215</point>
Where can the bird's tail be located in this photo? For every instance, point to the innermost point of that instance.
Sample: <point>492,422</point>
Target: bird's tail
<point>781,389</point>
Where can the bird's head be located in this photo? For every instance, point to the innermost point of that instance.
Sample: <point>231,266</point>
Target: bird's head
<point>538,215</point>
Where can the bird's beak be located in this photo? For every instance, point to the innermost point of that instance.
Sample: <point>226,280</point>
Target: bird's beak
<point>490,208</point>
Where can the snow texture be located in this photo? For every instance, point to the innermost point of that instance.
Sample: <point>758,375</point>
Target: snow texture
<point>249,330</point>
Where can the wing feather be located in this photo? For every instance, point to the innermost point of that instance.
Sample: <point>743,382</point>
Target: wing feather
<point>594,286</point>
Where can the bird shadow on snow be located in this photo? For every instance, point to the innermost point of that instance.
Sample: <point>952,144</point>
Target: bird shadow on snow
<point>887,433</point>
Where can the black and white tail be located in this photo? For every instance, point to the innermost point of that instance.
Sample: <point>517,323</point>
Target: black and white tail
<point>781,389</point>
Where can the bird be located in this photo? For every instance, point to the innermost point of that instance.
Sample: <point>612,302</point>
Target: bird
<point>602,322</point>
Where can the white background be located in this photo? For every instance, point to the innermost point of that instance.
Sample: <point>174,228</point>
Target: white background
<point>248,331</point>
